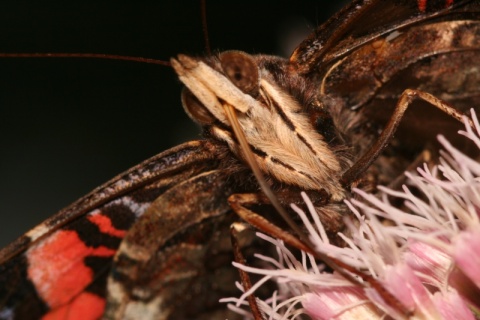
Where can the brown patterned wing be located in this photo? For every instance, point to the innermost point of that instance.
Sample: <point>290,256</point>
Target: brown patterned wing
<point>61,266</point>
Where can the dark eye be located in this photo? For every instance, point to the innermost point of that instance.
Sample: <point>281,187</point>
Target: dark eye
<point>323,123</point>
<point>195,109</point>
<point>242,70</point>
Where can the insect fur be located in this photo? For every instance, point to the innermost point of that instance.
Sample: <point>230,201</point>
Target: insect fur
<point>266,95</point>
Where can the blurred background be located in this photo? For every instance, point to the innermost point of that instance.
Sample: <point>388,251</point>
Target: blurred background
<point>68,125</point>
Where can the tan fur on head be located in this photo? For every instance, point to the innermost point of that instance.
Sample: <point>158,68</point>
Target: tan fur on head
<point>284,142</point>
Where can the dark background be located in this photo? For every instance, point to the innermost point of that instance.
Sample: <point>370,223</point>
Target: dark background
<point>68,125</point>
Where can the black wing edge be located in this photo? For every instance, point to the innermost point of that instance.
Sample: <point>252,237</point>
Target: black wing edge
<point>162,165</point>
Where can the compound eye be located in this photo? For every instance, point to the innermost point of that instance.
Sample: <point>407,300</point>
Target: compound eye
<point>242,70</point>
<point>195,109</point>
<point>322,121</point>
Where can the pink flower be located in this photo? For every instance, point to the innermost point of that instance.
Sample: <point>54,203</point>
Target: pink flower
<point>424,264</point>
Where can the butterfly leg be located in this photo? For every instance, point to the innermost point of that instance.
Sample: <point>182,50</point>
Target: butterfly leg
<point>407,97</point>
<point>238,202</point>
<point>235,229</point>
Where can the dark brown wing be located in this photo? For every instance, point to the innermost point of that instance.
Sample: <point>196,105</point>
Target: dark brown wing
<point>437,57</point>
<point>365,20</point>
<point>371,51</point>
<point>175,262</point>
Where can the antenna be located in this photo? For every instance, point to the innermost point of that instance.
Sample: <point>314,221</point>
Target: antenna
<point>86,56</point>
<point>203,8</point>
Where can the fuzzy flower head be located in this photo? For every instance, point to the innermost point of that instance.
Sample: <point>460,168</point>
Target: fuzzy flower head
<point>422,264</point>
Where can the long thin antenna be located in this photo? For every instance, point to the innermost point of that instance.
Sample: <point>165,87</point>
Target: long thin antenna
<point>87,56</point>
<point>203,5</point>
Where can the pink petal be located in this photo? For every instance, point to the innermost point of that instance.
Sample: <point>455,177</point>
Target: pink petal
<point>427,260</point>
<point>467,254</point>
<point>338,303</point>
<point>405,285</point>
<point>451,306</point>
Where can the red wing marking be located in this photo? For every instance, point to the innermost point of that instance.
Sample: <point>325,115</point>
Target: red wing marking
<point>57,270</point>
<point>422,5</point>
<point>105,225</point>
<point>85,306</point>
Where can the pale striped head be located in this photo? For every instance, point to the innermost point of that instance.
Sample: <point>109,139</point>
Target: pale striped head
<point>276,110</point>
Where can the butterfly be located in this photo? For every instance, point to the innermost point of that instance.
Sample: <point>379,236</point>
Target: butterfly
<point>98,97</point>
<point>170,214</point>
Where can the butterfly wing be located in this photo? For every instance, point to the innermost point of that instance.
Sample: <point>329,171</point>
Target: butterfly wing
<point>59,268</point>
<point>370,52</point>
<point>365,20</point>
<point>175,262</point>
